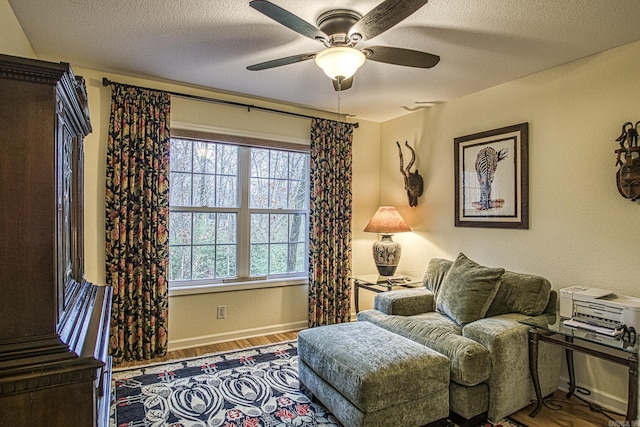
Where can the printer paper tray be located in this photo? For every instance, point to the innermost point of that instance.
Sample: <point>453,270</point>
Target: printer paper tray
<point>599,329</point>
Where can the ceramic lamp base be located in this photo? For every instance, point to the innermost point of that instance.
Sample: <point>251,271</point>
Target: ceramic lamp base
<point>386,255</point>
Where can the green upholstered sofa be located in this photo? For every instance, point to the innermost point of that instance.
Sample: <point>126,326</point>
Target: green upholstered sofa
<point>470,314</point>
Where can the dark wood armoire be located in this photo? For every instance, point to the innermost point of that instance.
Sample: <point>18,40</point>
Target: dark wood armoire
<point>54,363</point>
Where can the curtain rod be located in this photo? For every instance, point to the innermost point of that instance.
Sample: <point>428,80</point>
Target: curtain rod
<point>249,107</point>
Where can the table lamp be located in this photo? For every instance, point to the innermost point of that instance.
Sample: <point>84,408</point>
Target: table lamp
<point>386,253</point>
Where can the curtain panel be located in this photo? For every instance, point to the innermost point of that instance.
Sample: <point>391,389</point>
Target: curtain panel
<point>137,213</point>
<point>330,223</point>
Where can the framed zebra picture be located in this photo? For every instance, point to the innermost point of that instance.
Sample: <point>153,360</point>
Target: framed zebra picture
<point>492,178</point>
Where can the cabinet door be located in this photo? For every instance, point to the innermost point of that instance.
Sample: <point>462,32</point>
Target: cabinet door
<point>69,249</point>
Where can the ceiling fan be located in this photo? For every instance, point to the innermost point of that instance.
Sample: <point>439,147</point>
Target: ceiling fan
<point>340,30</point>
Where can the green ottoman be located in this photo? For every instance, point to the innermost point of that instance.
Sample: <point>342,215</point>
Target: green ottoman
<point>368,376</point>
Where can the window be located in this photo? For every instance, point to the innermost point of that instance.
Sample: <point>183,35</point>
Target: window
<point>237,213</point>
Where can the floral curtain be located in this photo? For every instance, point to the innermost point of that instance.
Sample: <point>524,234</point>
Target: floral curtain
<point>330,223</point>
<point>137,212</point>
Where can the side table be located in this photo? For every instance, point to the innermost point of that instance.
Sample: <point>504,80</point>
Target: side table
<point>549,328</point>
<point>378,284</point>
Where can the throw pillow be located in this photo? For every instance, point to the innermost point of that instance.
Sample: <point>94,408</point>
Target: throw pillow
<point>521,293</point>
<point>467,290</point>
<point>433,277</point>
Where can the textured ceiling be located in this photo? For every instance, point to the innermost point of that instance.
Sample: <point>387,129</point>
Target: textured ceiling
<point>209,43</point>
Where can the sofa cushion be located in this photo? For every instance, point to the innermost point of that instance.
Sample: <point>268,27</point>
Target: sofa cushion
<point>436,270</point>
<point>405,302</point>
<point>470,361</point>
<point>467,290</point>
<point>520,293</point>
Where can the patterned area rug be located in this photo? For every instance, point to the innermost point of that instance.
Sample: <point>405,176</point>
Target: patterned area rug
<point>254,387</point>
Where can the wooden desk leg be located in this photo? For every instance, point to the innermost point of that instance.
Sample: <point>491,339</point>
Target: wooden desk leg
<point>632,404</point>
<point>533,369</point>
<point>356,296</point>
<point>572,376</point>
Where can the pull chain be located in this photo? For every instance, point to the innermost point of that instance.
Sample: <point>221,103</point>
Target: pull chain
<point>338,109</point>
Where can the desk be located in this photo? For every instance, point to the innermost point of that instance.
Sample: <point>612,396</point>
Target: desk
<point>549,328</point>
<point>378,284</point>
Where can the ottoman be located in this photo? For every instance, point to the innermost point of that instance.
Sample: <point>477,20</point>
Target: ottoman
<point>368,376</point>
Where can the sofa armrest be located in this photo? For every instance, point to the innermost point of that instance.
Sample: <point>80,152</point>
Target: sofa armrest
<point>406,302</point>
<point>552,305</point>
<point>510,385</point>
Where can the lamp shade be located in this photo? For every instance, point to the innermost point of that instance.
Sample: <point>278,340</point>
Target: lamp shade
<point>386,253</point>
<point>340,62</point>
<point>387,220</point>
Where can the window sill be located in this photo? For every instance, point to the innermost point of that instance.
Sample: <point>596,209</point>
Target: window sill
<point>205,288</point>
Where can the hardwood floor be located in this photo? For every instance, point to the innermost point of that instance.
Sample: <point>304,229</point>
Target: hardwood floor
<point>574,413</point>
<point>215,348</point>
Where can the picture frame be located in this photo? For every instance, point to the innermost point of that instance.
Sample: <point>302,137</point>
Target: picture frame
<point>492,178</point>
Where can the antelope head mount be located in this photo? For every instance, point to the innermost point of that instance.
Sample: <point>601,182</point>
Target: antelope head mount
<point>412,180</point>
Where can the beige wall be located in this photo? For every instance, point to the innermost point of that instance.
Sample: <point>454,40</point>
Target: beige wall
<point>582,232</point>
<point>13,41</point>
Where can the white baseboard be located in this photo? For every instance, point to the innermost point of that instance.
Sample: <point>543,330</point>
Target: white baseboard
<point>607,401</point>
<point>203,340</point>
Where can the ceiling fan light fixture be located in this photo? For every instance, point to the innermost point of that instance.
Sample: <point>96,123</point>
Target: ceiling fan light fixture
<point>340,62</point>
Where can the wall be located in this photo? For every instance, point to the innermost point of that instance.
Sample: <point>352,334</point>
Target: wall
<point>582,232</point>
<point>13,40</point>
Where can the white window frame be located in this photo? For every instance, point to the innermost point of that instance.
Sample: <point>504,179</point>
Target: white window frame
<point>242,281</point>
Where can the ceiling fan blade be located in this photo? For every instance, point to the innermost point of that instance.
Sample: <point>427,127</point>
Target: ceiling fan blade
<point>281,61</point>
<point>343,85</point>
<point>288,19</point>
<point>384,16</point>
<point>400,56</point>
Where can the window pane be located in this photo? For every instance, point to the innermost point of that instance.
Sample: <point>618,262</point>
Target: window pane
<point>259,193</point>
<point>227,192</point>
<point>259,228</point>
<point>278,259</point>
<point>204,157</point>
<point>204,262</point>
<point>227,160</point>
<point>297,194</point>
<point>226,261</point>
<point>204,228</point>
<point>180,189</point>
<point>298,166</point>
<point>259,163</point>
<point>279,164</point>
<point>204,190</point>
<point>180,152</point>
<point>259,260</point>
<point>180,228</point>
<point>298,258</point>
<point>226,228</point>
<point>279,228</point>
<point>179,263</point>
<point>297,228</point>
<point>278,194</point>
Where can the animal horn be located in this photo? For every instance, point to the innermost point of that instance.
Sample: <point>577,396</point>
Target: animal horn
<point>413,156</point>
<point>401,159</point>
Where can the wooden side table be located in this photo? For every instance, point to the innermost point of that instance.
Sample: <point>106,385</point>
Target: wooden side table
<point>378,284</point>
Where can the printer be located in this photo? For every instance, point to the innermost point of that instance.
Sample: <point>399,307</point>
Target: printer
<point>599,310</point>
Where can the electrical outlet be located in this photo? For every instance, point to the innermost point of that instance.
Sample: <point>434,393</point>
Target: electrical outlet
<point>222,311</point>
